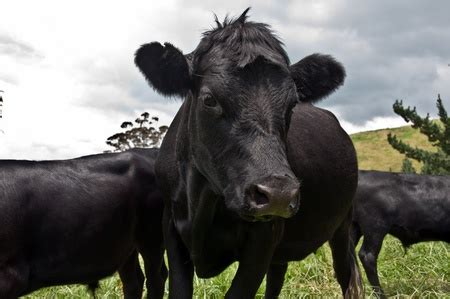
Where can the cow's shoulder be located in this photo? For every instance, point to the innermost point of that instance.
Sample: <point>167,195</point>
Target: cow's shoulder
<point>139,163</point>
<point>128,164</point>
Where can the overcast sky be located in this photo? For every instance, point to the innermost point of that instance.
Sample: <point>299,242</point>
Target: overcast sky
<point>67,66</point>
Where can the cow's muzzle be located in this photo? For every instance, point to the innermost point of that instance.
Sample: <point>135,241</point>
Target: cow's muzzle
<point>276,195</point>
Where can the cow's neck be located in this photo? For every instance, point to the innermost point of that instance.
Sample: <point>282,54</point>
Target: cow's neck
<point>200,201</point>
<point>202,208</point>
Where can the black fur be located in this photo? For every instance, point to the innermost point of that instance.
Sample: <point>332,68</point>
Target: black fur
<point>238,43</point>
<point>317,76</point>
<point>165,68</point>
<point>233,157</point>
<point>81,220</point>
<point>413,208</point>
<point>241,42</point>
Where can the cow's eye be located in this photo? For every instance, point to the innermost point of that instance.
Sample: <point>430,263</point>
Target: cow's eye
<point>210,104</point>
<point>209,101</point>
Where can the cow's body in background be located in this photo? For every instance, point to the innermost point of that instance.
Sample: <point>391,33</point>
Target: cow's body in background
<point>80,220</point>
<point>413,208</point>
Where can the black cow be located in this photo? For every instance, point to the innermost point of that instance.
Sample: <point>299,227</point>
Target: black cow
<point>245,152</point>
<point>413,208</point>
<point>80,220</point>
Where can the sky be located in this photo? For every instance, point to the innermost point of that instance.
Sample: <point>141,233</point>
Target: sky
<point>69,81</point>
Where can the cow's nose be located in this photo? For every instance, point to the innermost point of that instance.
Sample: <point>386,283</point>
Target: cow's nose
<point>277,196</point>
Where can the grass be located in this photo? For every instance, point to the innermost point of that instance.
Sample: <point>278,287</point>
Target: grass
<point>422,272</point>
<point>375,153</point>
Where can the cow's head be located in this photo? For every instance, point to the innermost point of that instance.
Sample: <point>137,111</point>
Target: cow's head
<point>240,90</point>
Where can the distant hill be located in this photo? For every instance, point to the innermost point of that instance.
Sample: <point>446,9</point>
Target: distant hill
<point>375,153</point>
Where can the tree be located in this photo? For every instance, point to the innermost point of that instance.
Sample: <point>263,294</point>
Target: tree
<point>141,134</point>
<point>438,135</point>
<point>407,166</point>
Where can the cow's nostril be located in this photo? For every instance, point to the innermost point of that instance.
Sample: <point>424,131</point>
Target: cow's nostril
<point>274,198</point>
<point>260,198</point>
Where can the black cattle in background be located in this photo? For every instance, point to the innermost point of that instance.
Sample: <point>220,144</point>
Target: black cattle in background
<point>413,208</point>
<point>250,170</point>
<point>80,220</point>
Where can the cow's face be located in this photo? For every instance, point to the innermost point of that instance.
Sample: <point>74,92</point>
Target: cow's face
<point>238,126</point>
<point>240,92</point>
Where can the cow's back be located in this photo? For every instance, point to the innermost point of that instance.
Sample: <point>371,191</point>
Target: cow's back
<point>411,207</point>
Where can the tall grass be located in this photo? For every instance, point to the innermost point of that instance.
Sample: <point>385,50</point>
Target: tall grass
<point>423,271</point>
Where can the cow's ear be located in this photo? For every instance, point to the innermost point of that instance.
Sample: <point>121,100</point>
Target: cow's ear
<point>316,76</point>
<point>165,68</point>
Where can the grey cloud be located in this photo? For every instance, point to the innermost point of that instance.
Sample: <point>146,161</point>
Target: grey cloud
<point>18,49</point>
<point>15,53</point>
<point>391,50</point>
<point>389,17</point>
<point>115,88</point>
<point>371,89</point>
<point>9,78</point>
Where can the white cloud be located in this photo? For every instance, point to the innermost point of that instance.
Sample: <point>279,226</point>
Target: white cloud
<point>373,124</point>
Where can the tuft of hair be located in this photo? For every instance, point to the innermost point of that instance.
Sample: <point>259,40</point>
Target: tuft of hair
<point>242,41</point>
<point>216,20</point>
<point>355,286</point>
<point>243,17</point>
<point>317,76</point>
<point>229,21</point>
<point>164,67</point>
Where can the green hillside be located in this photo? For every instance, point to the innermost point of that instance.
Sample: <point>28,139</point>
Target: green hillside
<point>375,153</point>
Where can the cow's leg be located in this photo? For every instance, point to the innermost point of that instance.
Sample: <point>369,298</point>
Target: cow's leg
<point>344,260</point>
<point>181,269</point>
<point>132,277</point>
<point>355,234</point>
<point>275,279</point>
<point>256,255</point>
<point>155,269</point>
<point>13,280</point>
<point>368,254</point>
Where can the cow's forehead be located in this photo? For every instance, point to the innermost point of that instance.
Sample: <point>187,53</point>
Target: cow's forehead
<point>239,44</point>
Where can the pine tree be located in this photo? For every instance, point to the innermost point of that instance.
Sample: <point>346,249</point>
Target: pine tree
<point>438,135</point>
<point>144,134</point>
<point>407,166</point>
